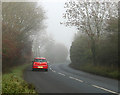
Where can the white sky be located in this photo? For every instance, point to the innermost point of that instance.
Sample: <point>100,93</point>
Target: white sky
<point>54,10</point>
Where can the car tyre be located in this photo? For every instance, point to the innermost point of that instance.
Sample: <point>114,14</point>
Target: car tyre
<point>33,69</point>
<point>46,69</point>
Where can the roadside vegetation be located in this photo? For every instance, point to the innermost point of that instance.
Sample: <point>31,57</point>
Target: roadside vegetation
<point>23,38</point>
<point>95,45</point>
<point>21,23</point>
<point>13,82</point>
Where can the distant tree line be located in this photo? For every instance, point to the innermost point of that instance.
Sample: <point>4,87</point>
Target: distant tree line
<point>21,21</point>
<point>56,52</point>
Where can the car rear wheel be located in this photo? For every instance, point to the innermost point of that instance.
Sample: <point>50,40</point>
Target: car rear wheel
<point>46,69</point>
<point>33,69</point>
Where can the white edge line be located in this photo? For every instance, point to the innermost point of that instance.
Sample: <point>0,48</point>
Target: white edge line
<point>105,89</point>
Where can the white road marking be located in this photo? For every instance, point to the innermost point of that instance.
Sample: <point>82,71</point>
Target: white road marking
<point>105,89</point>
<point>71,77</point>
<point>61,74</point>
<point>92,85</point>
<point>75,79</point>
<point>79,80</point>
<point>50,69</point>
<point>53,71</point>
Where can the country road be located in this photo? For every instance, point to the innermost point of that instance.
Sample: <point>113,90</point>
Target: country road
<point>60,78</point>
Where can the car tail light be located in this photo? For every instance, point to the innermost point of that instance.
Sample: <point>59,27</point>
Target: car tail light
<point>34,63</point>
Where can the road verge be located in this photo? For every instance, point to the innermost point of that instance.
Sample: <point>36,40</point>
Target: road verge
<point>13,82</point>
<point>98,70</point>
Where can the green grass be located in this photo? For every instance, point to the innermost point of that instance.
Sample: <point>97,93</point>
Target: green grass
<point>13,82</point>
<point>0,83</point>
<point>106,71</point>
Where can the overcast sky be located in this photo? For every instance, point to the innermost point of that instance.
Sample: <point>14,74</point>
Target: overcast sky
<point>54,10</point>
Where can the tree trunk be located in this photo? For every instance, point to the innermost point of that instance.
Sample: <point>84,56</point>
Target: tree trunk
<point>93,50</point>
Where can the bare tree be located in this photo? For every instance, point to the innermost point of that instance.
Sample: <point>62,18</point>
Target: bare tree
<point>89,18</point>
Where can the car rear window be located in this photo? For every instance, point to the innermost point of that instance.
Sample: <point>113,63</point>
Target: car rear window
<point>40,60</point>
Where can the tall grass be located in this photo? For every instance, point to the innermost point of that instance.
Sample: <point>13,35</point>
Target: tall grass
<point>106,71</point>
<point>13,82</point>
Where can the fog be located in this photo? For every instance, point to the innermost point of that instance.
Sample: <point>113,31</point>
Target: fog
<point>30,31</point>
<point>60,33</point>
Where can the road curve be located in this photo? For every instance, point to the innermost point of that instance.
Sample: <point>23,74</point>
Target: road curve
<point>60,78</point>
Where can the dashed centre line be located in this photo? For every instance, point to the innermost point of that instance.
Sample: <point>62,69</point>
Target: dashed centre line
<point>91,84</point>
<point>50,69</point>
<point>61,74</point>
<point>105,89</point>
<point>75,79</point>
<point>53,71</point>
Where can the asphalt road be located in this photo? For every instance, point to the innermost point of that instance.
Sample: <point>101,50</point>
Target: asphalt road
<point>60,78</point>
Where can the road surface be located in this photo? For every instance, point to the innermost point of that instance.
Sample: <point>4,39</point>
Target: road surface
<point>60,78</point>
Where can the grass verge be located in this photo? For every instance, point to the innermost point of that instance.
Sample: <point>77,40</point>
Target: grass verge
<point>13,82</point>
<point>105,71</point>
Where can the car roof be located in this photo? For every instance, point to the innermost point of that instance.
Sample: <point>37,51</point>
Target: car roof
<point>39,58</point>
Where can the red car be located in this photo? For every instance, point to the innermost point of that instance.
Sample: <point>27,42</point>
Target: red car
<point>40,63</point>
